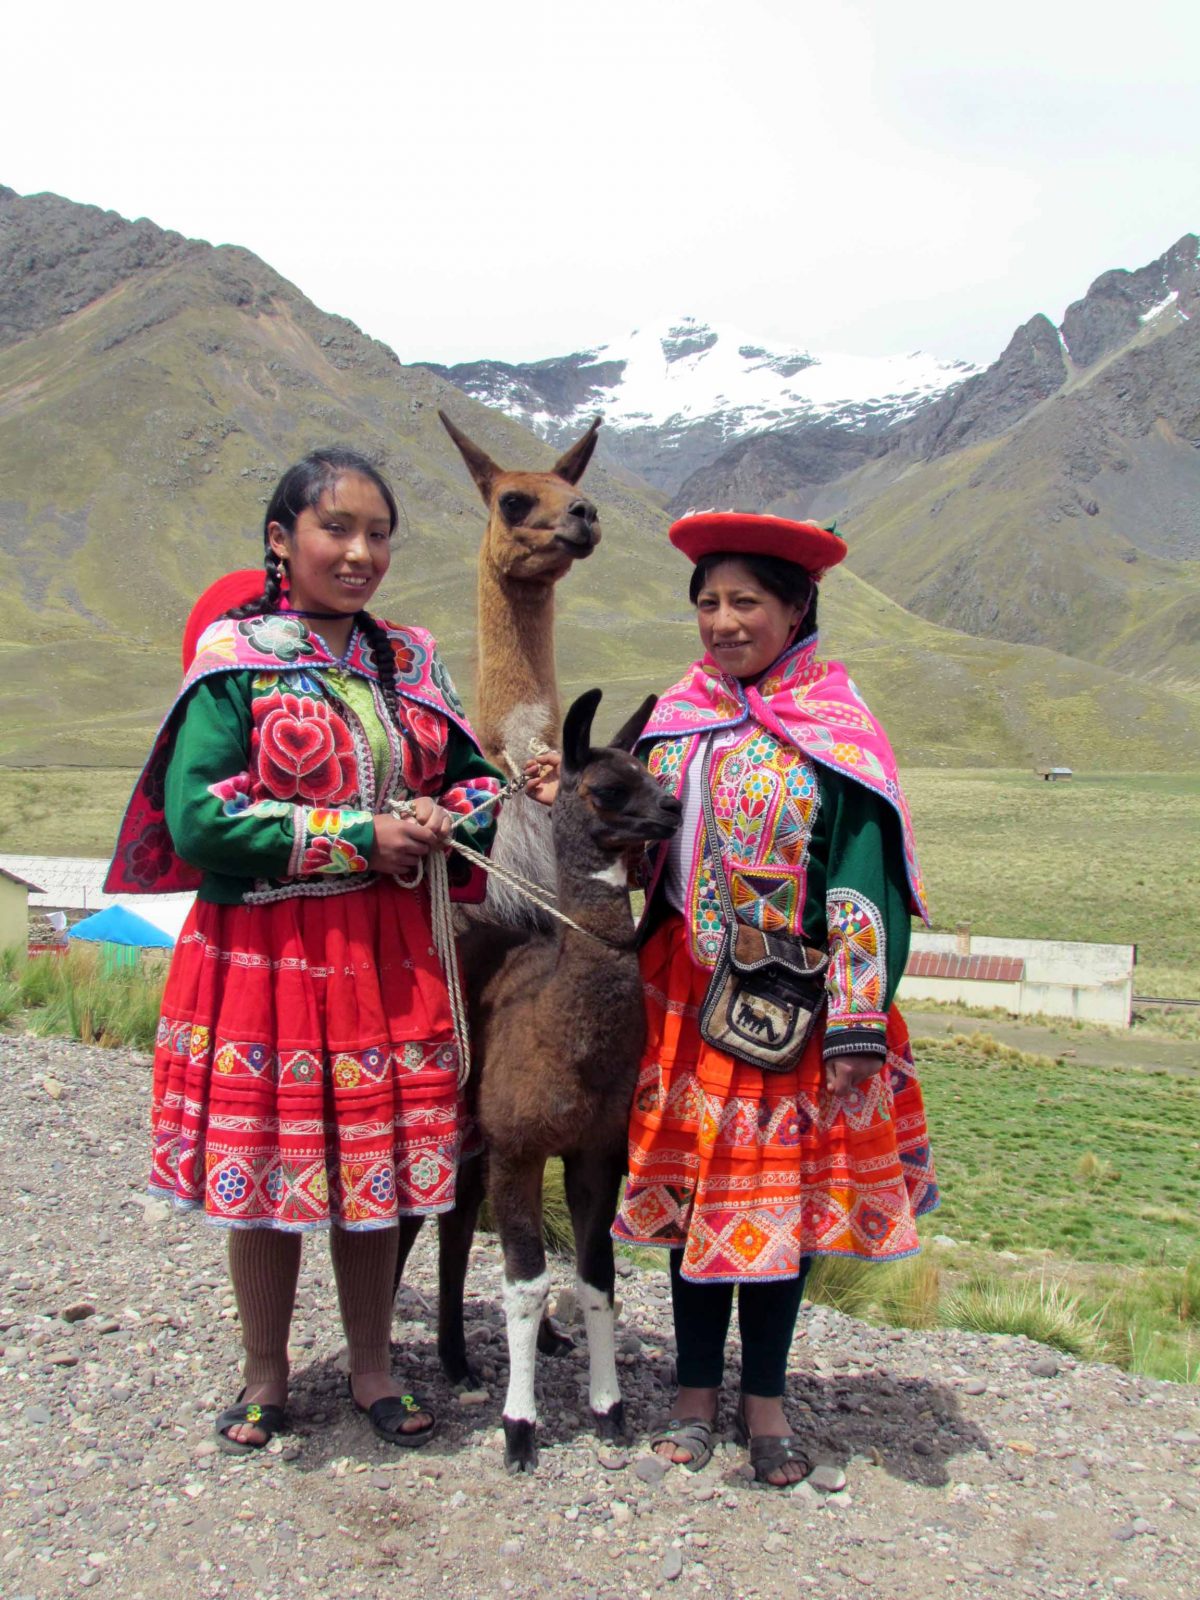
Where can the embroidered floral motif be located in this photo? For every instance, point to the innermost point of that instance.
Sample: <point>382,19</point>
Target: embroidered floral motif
<point>332,823</point>
<point>303,749</point>
<point>286,638</point>
<point>443,680</point>
<point>233,793</point>
<point>665,760</point>
<point>332,856</point>
<point>150,856</point>
<point>410,659</point>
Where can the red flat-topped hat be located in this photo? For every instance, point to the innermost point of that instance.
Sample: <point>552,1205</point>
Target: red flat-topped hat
<point>234,589</point>
<point>708,533</point>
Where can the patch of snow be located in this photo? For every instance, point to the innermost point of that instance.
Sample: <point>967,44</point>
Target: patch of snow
<point>1157,311</point>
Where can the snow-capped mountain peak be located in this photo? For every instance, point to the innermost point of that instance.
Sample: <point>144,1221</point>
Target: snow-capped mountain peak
<point>705,385</point>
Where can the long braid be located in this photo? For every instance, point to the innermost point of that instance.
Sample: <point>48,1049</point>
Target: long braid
<point>268,600</point>
<point>385,664</point>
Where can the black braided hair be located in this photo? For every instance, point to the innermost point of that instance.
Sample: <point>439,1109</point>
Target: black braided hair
<point>385,663</point>
<point>302,486</point>
<point>269,599</point>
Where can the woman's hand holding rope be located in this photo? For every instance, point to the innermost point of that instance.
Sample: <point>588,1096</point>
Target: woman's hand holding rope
<point>541,777</point>
<point>401,842</point>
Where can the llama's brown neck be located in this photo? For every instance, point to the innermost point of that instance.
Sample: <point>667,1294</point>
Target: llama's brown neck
<point>517,684</point>
<point>595,895</point>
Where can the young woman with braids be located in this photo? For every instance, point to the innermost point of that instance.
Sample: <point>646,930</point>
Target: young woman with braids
<point>306,1072</point>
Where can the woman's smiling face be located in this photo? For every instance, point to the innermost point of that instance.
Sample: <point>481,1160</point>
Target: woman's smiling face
<point>743,626</point>
<point>340,549</point>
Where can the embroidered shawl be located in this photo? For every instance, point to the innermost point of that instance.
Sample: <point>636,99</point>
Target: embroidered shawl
<point>278,642</point>
<point>810,704</point>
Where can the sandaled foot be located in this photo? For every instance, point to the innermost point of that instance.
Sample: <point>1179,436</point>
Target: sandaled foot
<point>685,1437</point>
<point>777,1459</point>
<point>400,1419</point>
<point>250,1425</point>
<point>685,1441</point>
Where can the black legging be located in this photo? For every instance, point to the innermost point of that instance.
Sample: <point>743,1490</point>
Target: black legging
<point>767,1315</point>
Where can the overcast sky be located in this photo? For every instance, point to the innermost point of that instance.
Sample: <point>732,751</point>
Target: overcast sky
<point>524,179</point>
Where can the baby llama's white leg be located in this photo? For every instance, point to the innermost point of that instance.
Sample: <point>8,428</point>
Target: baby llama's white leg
<point>524,1305</point>
<point>604,1390</point>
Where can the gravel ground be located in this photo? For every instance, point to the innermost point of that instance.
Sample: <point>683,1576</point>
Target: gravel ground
<point>986,1464</point>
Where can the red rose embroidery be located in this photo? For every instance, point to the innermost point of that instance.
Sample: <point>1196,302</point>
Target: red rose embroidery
<point>304,752</point>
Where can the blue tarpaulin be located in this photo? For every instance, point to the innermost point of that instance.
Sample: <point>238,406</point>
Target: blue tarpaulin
<point>118,926</point>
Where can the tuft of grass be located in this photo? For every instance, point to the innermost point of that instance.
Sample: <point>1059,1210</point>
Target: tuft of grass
<point>1173,1022</point>
<point>1045,1310</point>
<point>901,1294</point>
<point>1092,1170</point>
<point>74,995</point>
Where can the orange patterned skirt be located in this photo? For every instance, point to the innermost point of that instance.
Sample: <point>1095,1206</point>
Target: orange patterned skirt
<point>750,1171</point>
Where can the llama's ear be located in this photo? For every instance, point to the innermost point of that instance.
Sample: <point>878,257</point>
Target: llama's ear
<point>479,464</point>
<point>577,731</point>
<point>628,736</point>
<point>572,464</point>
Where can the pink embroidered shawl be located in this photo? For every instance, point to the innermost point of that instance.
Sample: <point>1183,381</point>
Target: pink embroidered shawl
<point>807,703</point>
<point>274,643</point>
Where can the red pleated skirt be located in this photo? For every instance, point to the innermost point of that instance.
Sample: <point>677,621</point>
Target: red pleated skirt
<point>305,1070</point>
<point>748,1171</point>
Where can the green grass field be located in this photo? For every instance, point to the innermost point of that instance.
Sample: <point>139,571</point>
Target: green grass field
<point>1034,1154</point>
<point>1103,858</point>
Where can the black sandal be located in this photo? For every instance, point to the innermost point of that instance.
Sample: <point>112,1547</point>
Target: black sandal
<point>387,1418</point>
<point>771,1452</point>
<point>686,1433</point>
<point>267,1419</point>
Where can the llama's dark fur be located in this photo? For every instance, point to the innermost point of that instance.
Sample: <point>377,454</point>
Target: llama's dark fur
<point>557,1030</point>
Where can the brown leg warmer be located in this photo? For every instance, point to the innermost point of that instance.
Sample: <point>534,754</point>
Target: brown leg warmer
<point>364,1265</point>
<point>264,1265</point>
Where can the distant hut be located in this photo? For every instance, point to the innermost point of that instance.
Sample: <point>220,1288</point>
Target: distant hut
<point>1054,774</point>
<point>14,909</point>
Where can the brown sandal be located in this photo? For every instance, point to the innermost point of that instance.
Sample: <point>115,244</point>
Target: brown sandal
<point>771,1452</point>
<point>686,1433</point>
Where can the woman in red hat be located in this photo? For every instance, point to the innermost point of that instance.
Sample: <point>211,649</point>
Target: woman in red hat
<point>306,1070</point>
<point>745,1173</point>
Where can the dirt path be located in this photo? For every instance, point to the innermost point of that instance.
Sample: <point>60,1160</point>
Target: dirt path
<point>986,1465</point>
<point>1142,1051</point>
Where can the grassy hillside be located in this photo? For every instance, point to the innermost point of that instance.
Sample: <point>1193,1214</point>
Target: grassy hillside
<point>140,436</point>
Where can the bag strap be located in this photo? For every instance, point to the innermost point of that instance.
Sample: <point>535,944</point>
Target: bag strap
<point>713,838</point>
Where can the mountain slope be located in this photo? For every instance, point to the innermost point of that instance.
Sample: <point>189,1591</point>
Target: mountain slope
<point>1078,529</point>
<point>151,389</point>
<point>148,401</point>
